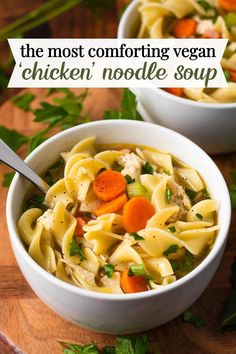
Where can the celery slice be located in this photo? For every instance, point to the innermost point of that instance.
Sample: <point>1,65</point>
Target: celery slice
<point>136,189</point>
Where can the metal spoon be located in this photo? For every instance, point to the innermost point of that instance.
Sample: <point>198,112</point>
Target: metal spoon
<point>11,159</point>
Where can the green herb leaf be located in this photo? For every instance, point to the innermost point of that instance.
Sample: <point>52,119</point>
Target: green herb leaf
<point>192,318</point>
<point>76,250</point>
<point>172,229</point>
<point>116,167</point>
<point>206,194</point>
<point>188,262</point>
<point>23,101</point>
<point>129,179</point>
<point>199,216</point>
<point>136,236</point>
<point>227,75</point>
<point>109,350</point>
<point>129,108</point>
<point>168,195</point>
<point>171,249</point>
<point>12,138</point>
<point>87,214</point>
<point>109,270</point>
<point>205,5</point>
<point>190,193</point>
<point>141,344</point>
<point>35,201</point>
<point>79,349</point>
<point>124,346</point>
<point>174,265</point>
<point>147,169</point>
<point>7,179</point>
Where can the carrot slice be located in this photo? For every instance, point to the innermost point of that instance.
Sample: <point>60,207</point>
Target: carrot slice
<point>232,75</point>
<point>79,227</point>
<point>109,184</point>
<point>132,284</point>
<point>228,5</point>
<point>211,34</point>
<point>111,207</point>
<point>184,28</point>
<point>175,91</point>
<point>137,211</point>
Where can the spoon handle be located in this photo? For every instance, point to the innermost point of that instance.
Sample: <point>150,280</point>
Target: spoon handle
<point>11,159</point>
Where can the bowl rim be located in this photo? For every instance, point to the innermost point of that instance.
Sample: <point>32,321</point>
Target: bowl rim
<point>122,27</point>
<point>18,247</point>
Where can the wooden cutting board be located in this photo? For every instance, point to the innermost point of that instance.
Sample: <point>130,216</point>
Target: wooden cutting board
<point>29,326</point>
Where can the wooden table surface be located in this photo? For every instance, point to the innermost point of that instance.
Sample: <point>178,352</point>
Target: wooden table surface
<point>26,324</point>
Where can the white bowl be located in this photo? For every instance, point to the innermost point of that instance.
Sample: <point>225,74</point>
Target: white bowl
<point>212,126</point>
<point>123,313</point>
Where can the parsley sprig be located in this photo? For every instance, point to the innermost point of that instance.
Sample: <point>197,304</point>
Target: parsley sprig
<point>124,345</point>
<point>128,108</point>
<point>64,112</point>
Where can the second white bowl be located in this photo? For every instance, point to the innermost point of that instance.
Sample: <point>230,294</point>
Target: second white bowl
<point>212,126</point>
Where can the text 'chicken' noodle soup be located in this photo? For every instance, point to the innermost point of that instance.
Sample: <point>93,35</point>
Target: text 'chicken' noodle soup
<point>119,219</point>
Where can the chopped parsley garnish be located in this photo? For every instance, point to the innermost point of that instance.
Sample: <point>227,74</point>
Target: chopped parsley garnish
<point>129,179</point>
<point>168,195</point>
<point>136,236</point>
<point>172,229</point>
<point>189,262</point>
<point>206,194</point>
<point>76,250</point>
<point>116,167</point>
<point>192,318</point>
<point>205,5</point>
<point>190,193</point>
<point>171,249</point>
<point>35,201</point>
<point>147,169</point>
<point>199,216</point>
<point>87,214</point>
<point>227,75</point>
<point>174,265</point>
<point>109,270</point>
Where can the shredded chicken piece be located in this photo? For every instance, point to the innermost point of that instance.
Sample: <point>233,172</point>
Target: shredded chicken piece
<point>132,165</point>
<point>181,199</point>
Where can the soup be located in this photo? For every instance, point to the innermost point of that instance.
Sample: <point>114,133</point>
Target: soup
<point>119,219</point>
<point>195,19</point>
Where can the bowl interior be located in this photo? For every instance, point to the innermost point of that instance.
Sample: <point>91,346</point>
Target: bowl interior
<point>124,132</point>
